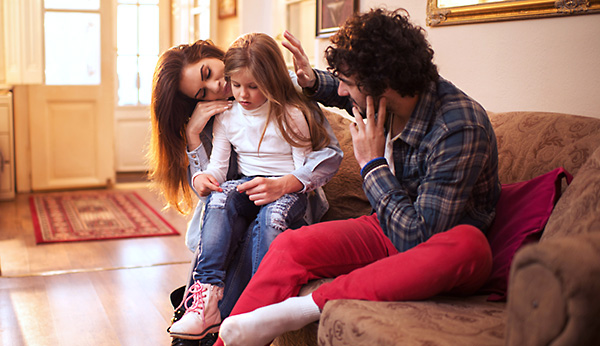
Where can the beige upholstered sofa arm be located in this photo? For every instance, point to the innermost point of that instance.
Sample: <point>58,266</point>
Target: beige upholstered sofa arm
<point>554,293</point>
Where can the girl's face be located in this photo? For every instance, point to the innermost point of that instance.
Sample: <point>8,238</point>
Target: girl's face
<point>246,91</point>
<point>205,81</point>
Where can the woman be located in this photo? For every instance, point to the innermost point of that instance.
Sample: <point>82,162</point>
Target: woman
<point>189,88</point>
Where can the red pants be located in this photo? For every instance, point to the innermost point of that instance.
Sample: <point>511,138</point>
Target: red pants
<point>366,265</point>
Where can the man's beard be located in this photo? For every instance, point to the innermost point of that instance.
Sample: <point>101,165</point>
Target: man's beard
<point>363,111</point>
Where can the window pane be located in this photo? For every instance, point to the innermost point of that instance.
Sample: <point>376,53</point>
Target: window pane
<point>201,19</point>
<point>72,48</point>
<point>148,30</point>
<point>147,65</point>
<point>127,29</point>
<point>137,50</point>
<point>72,4</point>
<point>202,26</point>
<point>141,2</point>
<point>127,74</point>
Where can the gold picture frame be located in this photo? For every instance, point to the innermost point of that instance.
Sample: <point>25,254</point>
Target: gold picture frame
<point>498,10</point>
<point>227,8</point>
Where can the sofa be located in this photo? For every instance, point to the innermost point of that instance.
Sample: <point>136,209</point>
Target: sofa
<point>553,276</point>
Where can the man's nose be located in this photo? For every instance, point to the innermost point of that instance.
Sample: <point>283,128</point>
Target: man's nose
<point>342,90</point>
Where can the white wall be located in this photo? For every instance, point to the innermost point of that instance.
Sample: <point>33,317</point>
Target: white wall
<point>549,64</point>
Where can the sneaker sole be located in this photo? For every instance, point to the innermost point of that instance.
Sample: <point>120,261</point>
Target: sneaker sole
<point>211,329</point>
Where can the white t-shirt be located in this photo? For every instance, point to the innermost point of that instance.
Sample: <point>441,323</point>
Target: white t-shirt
<point>242,129</point>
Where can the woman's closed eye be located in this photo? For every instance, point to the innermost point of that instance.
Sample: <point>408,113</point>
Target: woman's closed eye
<point>205,73</point>
<point>200,94</point>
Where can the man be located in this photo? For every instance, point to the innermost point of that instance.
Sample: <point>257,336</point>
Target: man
<point>429,164</point>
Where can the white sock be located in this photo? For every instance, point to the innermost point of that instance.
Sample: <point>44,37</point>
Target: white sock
<point>261,326</point>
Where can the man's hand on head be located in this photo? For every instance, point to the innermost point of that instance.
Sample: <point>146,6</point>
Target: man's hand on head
<point>368,137</point>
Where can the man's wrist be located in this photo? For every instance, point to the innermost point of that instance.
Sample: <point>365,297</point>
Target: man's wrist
<point>372,164</point>
<point>314,88</point>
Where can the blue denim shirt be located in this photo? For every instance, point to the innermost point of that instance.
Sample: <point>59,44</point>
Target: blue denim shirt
<point>445,162</point>
<point>319,167</point>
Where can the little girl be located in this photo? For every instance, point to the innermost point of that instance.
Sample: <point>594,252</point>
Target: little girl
<point>272,128</point>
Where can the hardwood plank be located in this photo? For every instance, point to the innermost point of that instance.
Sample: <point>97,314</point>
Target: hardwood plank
<point>76,311</point>
<point>113,292</point>
<point>21,256</point>
<point>25,311</point>
<point>141,311</point>
<point>112,307</point>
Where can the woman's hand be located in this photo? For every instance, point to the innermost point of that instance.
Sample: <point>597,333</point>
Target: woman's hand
<point>266,190</point>
<point>204,184</point>
<point>200,116</point>
<point>368,138</point>
<point>304,72</point>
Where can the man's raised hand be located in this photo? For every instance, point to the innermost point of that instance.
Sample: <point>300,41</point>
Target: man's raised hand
<point>304,72</point>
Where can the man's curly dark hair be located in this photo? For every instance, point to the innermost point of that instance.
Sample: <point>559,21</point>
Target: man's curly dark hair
<point>382,49</point>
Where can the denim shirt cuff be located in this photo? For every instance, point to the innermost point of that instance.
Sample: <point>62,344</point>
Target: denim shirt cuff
<point>305,182</point>
<point>312,91</point>
<point>197,160</point>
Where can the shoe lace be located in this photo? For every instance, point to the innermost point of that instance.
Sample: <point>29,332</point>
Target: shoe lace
<point>197,294</point>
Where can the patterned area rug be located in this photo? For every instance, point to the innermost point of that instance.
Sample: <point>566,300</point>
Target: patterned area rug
<point>94,215</point>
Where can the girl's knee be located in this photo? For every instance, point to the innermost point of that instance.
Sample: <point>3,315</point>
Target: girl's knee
<point>217,200</point>
<point>285,212</point>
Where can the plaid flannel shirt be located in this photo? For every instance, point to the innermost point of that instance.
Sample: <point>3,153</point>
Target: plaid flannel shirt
<point>446,166</point>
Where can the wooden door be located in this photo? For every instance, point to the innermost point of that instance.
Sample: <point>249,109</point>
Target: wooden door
<point>71,126</point>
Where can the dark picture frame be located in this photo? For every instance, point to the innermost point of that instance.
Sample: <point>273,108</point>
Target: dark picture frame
<point>331,14</point>
<point>227,8</point>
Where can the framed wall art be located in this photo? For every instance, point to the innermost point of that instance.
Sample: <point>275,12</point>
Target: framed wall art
<point>331,14</point>
<point>449,12</point>
<point>226,8</point>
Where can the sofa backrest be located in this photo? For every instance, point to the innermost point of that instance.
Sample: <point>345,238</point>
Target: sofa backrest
<point>578,210</point>
<point>529,144</point>
<point>344,192</point>
<point>533,143</point>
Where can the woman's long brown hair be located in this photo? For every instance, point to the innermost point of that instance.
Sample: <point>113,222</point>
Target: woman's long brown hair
<point>170,111</point>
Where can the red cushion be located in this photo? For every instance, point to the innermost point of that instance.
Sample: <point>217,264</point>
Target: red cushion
<point>521,215</point>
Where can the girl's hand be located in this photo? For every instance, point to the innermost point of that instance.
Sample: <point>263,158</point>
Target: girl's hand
<point>304,72</point>
<point>369,138</point>
<point>200,116</point>
<point>266,190</point>
<point>204,184</point>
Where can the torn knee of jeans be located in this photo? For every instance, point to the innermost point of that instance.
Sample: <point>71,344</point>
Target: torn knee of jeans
<point>218,199</point>
<point>278,222</point>
<point>279,211</point>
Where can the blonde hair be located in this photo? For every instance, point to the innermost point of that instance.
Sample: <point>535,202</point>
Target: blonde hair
<point>261,55</point>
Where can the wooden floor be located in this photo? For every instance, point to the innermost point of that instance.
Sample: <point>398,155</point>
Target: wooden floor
<point>113,292</point>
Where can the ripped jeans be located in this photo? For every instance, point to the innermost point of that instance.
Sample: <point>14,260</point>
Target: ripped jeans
<point>229,216</point>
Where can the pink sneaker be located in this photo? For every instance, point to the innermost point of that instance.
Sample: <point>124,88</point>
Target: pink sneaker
<point>203,316</point>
